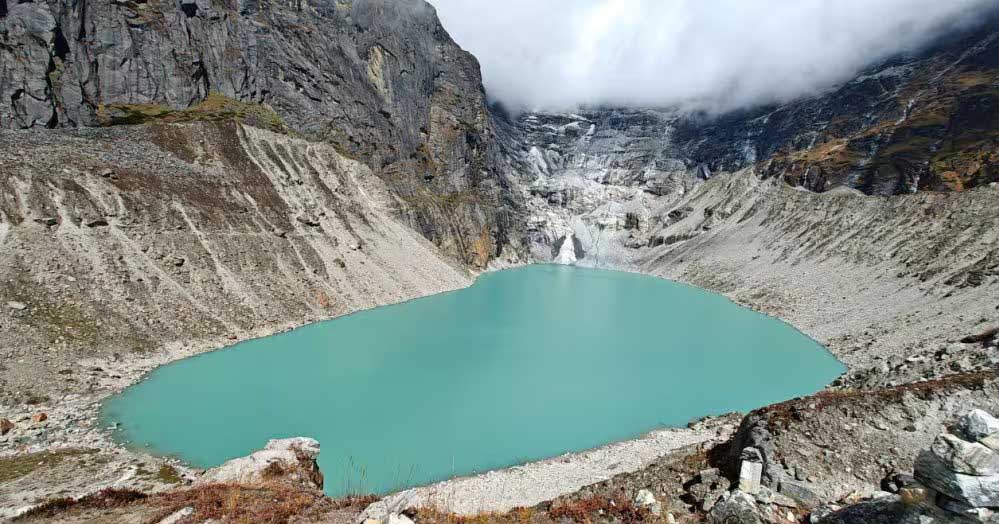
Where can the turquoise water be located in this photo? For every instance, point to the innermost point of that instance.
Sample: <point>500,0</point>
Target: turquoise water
<point>526,364</point>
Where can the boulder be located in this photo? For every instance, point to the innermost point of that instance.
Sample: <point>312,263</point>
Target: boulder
<point>292,459</point>
<point>6,426</point>
<point>991,442</point>
<point>965,457</point>
<point>976,425</point>
<point>800,493</point>
<point>38,418</point>
<point>885,512</point>
<point>710,488</point>
<point>970,513</point>
<point>735,508</point>
<point>935,473</point>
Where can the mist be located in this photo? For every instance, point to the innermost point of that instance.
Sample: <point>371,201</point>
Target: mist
<point>711,55</point>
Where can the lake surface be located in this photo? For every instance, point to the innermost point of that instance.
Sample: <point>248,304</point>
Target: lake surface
<point>526,364</point>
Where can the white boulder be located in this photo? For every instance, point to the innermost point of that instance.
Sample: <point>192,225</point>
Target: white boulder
<point>293,458</point>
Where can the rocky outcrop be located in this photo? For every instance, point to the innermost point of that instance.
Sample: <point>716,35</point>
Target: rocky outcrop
<point>946,487</point>
<point>379,79</point>
<point>287,460</point>
<point>832,446</point>
<point>964,471</point>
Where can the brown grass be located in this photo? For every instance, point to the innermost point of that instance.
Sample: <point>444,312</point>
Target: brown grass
<point>109,498</point>
<point>618,507</point>
<point>236,504</point>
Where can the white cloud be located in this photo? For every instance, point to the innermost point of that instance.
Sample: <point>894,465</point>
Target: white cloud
<point>707,54</point>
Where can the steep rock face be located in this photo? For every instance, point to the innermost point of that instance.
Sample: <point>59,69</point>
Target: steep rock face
<point>596,179</point>
<point>138,243</point>
<point>380,79</point>
<point>923,121</point>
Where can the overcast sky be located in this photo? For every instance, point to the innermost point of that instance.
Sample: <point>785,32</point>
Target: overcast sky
<point>702,54</point>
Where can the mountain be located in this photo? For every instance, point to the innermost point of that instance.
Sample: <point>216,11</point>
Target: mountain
<point>380,80</point>
<point>179,175</point>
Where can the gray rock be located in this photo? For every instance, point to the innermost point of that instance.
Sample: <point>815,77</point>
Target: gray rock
<point>967,511</point>
<point>976,425</point>
<point>19,306</point>
<point>965,457</point>
<point>736,508</point>
<point>800,493</point>
<point>977,491</point>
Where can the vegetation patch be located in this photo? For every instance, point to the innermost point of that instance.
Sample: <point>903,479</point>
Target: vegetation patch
<point>168,474</point>
<point>17,466</point>
<point>214,108</point>
<point>270,504</point>
<point>109,498</point>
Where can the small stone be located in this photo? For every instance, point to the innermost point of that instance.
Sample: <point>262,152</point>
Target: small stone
<point>765,495</point>
<point>19,306</point>
<point>976,425</point>
<point>97,222</point>
<point>38,418</point>
<point>914,495</point>
<point>6,426</point>
<point>307,221</point>
<point>47,221</point>
<point>645,498</point>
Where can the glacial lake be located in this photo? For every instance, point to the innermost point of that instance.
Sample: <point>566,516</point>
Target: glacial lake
<point>525,364</point>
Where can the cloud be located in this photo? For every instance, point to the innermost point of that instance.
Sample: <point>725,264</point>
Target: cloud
<point>715,55</point>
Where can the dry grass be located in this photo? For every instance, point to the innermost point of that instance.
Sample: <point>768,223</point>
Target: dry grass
<point>105,499</point>
<point>237,504</point>
<point>618,507</point>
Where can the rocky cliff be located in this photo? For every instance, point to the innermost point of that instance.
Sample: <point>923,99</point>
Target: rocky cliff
<point>379,79</point>
<point>127,244</point>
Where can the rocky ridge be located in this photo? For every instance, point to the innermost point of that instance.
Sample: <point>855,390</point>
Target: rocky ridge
<point>380,80</point>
